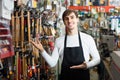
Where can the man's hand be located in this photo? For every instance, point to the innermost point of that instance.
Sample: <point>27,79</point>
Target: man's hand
<point>81,66</point>
<point>38,45</point>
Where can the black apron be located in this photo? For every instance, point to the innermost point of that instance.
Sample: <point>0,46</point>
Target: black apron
<point>73,56</point>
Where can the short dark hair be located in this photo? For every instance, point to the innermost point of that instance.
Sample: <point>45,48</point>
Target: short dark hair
<point>69,11</point>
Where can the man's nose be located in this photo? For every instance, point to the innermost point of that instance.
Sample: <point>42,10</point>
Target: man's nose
<point>69,19</point>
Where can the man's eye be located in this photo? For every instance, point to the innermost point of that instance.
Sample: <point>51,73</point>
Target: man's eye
<point>66,18</point>
<point>72,17</point>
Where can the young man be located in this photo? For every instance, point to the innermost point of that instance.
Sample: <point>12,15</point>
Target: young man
<point>77,51</point>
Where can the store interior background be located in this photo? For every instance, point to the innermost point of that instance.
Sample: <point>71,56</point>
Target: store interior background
<point>22,20</point>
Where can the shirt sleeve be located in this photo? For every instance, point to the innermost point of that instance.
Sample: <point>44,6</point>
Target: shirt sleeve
<point>51,59</point>
<point>95,57</point>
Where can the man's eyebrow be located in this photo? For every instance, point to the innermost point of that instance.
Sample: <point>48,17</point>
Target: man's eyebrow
<point>70,15</point>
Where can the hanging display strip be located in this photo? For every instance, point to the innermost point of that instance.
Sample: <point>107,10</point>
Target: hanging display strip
<point>6,47</point>
<point>89,8</point>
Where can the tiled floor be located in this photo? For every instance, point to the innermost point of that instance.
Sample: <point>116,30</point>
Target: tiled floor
<point>105,73</point>
<point>93,74</point>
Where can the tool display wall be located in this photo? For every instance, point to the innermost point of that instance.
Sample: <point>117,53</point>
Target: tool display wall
<point>30,24</point>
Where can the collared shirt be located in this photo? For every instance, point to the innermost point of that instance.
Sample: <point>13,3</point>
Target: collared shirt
<point>90,50</point>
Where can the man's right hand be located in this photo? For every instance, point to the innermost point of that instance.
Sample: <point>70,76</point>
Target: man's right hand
<point>37,44</point>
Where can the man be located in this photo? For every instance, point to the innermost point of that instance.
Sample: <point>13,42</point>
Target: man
<point>77,51</point>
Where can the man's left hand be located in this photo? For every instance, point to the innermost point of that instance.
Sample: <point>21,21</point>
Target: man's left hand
<point>81,66</point>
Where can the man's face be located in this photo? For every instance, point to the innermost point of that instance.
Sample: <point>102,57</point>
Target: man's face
<point>71,21</point>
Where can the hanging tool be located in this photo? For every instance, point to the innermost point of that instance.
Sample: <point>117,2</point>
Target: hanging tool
<point>13,28</point>
<point>28,21</point>
<point>17,29</point>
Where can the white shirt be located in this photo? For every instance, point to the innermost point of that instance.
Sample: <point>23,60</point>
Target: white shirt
<point>89,49</point>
